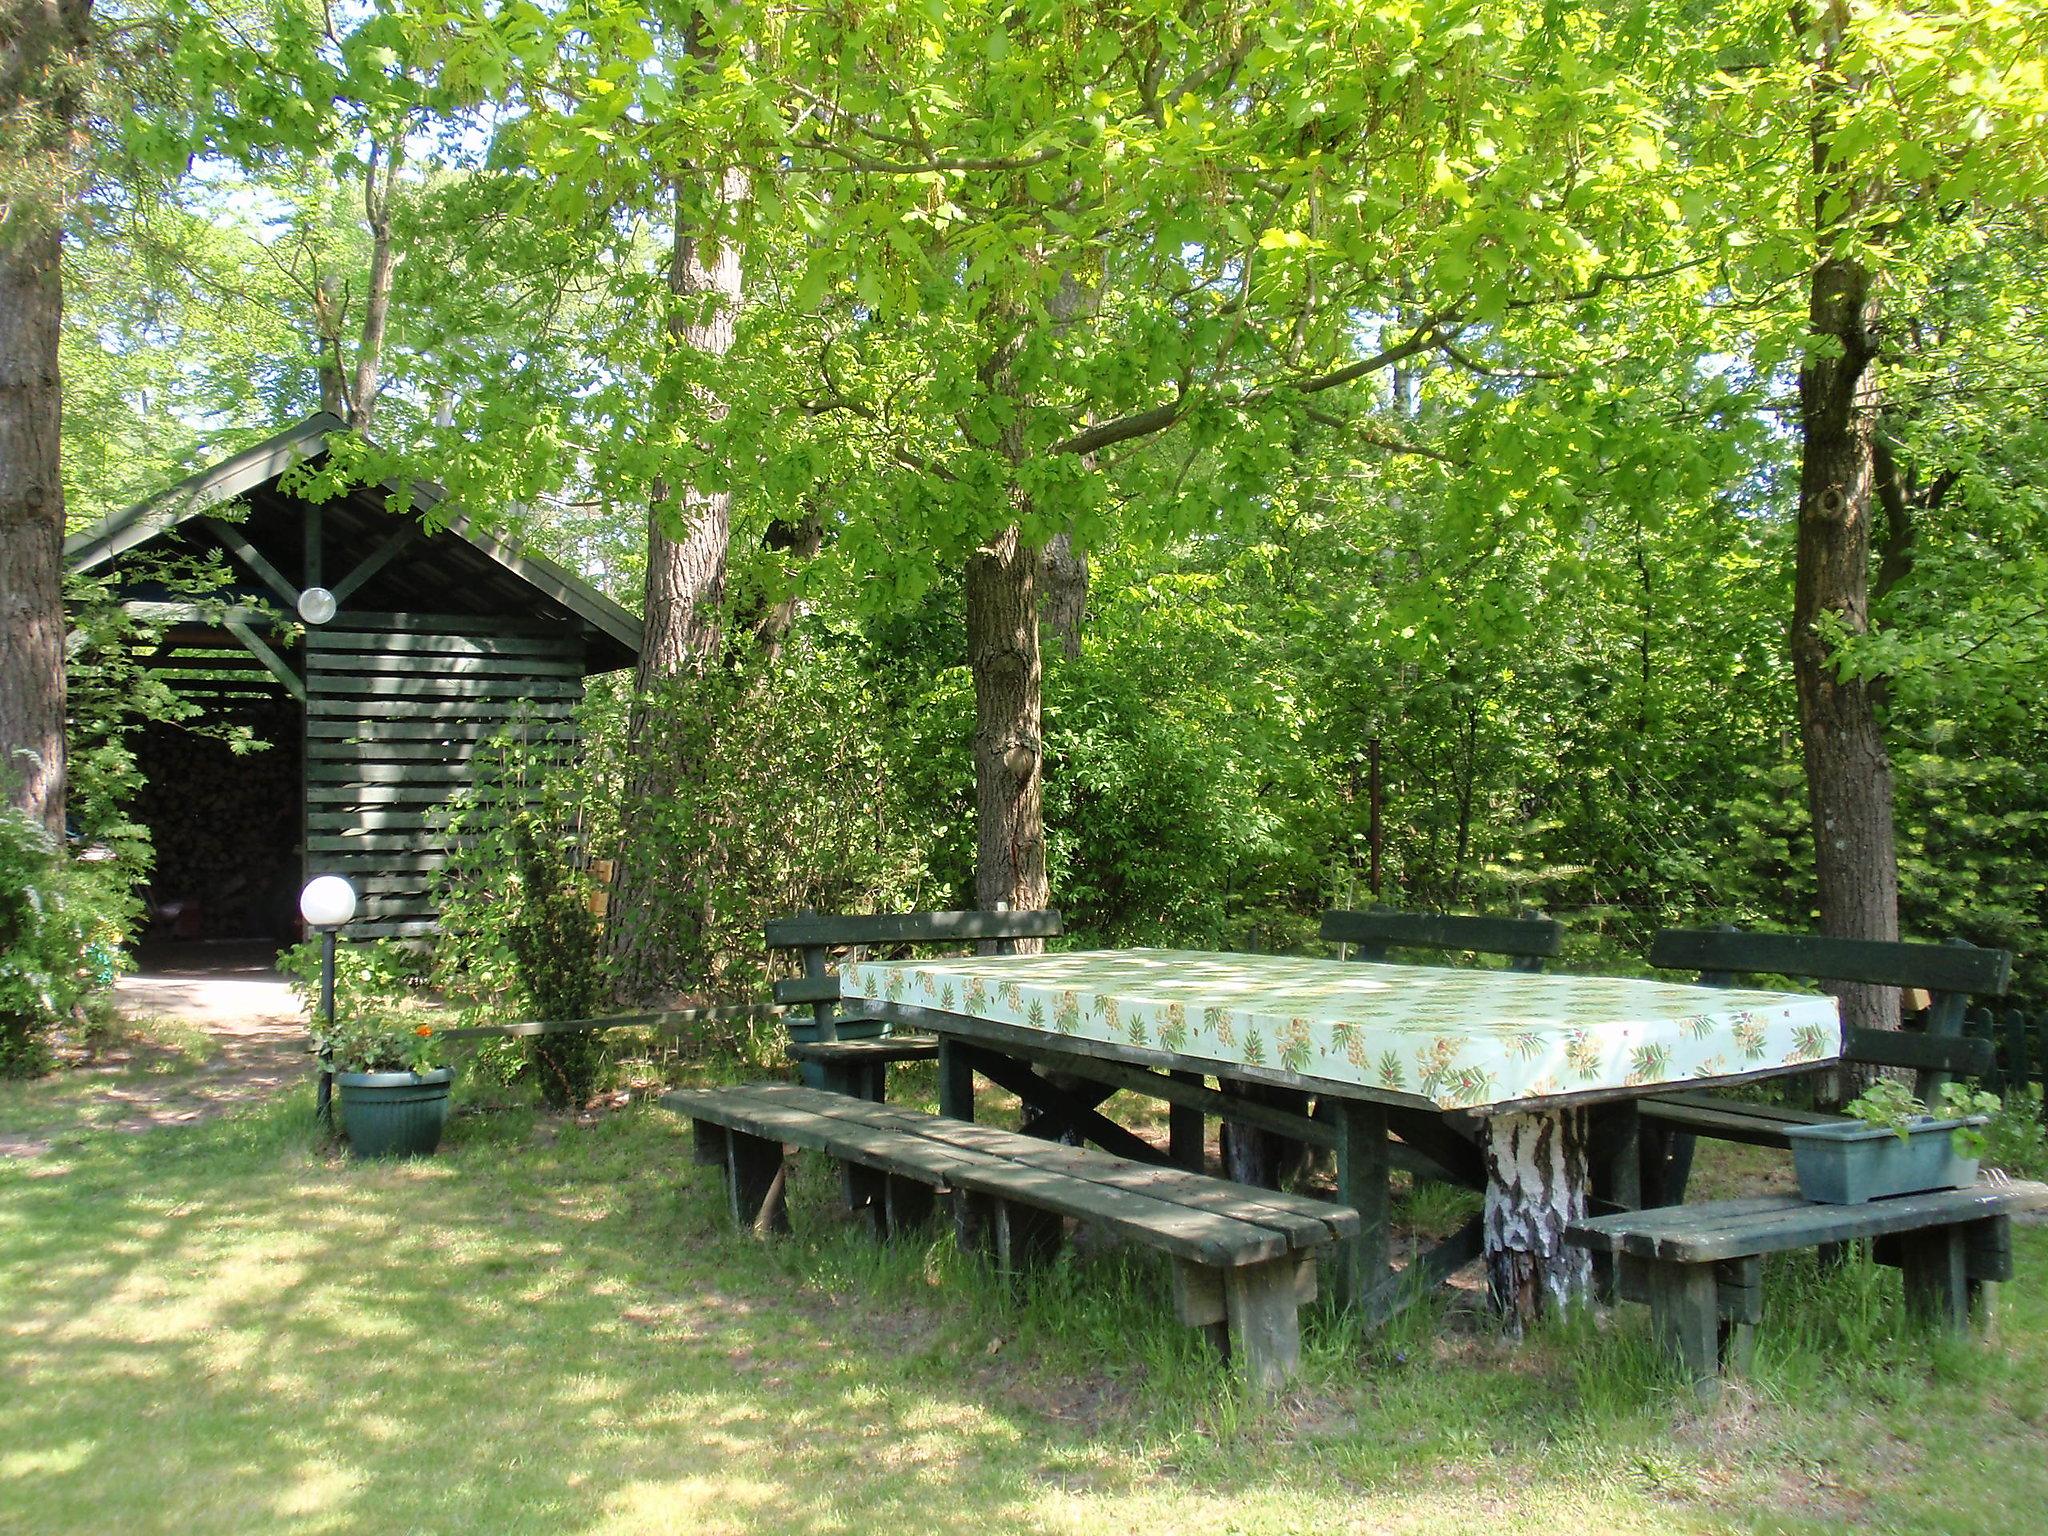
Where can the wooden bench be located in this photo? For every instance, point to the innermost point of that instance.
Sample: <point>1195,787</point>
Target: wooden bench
<point>1939,1051</point>
<point>853,1055</point>
<point>1243,1258</point>
<point>1527,941</point>
<point>1700,1267</point>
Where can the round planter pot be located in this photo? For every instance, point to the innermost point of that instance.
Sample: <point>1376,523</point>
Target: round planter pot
<point>394,1114</point>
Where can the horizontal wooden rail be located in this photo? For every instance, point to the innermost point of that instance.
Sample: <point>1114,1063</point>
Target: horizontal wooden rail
<point>668,1021</point>
<point>1936,967</point>
<point>909,928</point>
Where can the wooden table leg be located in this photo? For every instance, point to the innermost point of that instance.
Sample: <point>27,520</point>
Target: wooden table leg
<point>1363,1160</point>
<point>1536,1185</point>
<point>1932,1262</point>
<point>956,1080</point>
<point>1186,1130</point>
<point>1617,1172</point>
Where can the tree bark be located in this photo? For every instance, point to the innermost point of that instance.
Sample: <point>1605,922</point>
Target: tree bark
<point>689,536</point>
<point>1536,1186</point>
<point>1848,772</point>
<point>1063,596</point>
<point>1002,653</point>
<point>43,49</point>
<point>362,401</point>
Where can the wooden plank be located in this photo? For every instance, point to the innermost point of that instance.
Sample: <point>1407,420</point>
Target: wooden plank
<point>324,684</point>
<point>462,727</point>
<point>377,842</point>
<point>661,1021</point>
<point>332,643</point>
<point>491,624</point>
<point>910,928</point>
<point>399,539</point>
<point>807,989</point>
<point>1059,1107</point>
<point>1733,1123</point>
<point>1934,967</point>
<point>453,711</point>
<point>1962,1056</point>
<point>377,794</point>
<point>1775,1224</point>
<point>342,665</point>
<point>1536,937</point>
<point>422,929</point>
<point>834,1123</point>
<point>272,662</point>
<point>422,772</point>
<point>1187,1091</point>
<point>1308,1223</point>
<point>252,558</point>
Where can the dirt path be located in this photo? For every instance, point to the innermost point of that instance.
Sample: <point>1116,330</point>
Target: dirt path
<point>255,1048</point>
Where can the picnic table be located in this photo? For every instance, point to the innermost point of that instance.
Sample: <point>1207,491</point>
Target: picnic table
<point>1519,1083</point>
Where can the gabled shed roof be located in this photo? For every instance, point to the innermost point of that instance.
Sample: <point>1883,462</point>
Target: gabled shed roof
<point>458,569</point>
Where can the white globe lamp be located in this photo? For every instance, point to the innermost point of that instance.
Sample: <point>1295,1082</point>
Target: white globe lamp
<point>327,902</point>
<point>317,605</point>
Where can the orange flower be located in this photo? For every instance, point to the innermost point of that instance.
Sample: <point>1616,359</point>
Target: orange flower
<point>424,1030</point>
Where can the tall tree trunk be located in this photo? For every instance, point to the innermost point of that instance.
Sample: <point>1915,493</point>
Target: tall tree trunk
<point>1848,773</point>
<point>362,400</point>
<point>31,529</point>
<point>1002,653</point>
<point>43,48</point>
<point>689,532</point>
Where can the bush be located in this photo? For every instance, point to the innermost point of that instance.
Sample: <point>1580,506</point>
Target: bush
<point>553,935</point>
<point>60,936</point>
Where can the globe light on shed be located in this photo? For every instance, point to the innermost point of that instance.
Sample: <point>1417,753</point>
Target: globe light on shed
<point>327,902</point>
<point>317,605</point>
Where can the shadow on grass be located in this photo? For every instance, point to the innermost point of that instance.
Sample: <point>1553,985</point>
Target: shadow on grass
<point>552,1327</point>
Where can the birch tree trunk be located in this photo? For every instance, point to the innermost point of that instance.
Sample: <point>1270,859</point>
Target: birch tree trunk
<point>362,400</point>
<point>43,49</point>
<point>1848,771</point>
<point>1536,1185</point>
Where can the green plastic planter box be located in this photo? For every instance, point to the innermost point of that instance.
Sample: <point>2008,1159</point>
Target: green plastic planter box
<point>1850,1162</point>
<point>394,1114</point>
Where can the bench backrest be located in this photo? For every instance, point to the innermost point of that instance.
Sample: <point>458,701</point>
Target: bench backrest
<point>1526,941</point>
<point>1950,973</point>
<point>816,934</point>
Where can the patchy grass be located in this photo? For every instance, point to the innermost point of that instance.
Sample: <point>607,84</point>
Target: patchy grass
<point>551,1327</point>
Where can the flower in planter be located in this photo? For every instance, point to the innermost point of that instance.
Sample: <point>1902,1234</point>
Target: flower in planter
<point>380,1042</point>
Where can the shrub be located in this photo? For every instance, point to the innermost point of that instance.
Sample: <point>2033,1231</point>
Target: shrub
<point>60,935</point>
<point>553,936</point>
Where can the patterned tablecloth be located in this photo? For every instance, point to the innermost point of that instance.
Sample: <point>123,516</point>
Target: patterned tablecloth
<point>1465,1039</point>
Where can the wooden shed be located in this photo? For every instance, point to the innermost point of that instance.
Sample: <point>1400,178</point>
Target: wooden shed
<point>373,655</point>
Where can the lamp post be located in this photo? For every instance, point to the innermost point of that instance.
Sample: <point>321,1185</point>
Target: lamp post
<point>327,902</point>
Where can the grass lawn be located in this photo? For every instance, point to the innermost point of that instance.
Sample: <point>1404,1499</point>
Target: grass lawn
<point>551,1327</point>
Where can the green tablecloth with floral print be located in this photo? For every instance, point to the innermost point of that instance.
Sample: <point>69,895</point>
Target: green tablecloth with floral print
<point>1465,1039</point>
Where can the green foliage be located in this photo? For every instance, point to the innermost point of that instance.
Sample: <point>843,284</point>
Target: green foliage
<point>379,1042</point>
<point>553,937</point>
<point>372,977</point>
<point>774,791</point>
<point>1889,1104</point>
<point>60,931</point>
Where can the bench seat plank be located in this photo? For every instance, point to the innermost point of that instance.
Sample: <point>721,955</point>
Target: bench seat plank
<point>1694,1234</point>
<point>1307,1223</point>
<point>837,1123</point>
<point>881,1048</point>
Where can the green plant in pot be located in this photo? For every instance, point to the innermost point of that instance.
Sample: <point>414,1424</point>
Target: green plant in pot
<point>392,1085</point>
<point>1893,1144</point>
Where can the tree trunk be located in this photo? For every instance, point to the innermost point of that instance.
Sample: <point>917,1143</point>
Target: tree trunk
<point>46,43</point>
<point>1002,652</point>
<point>1063,595</point>
<point>377,298</point>
<point>688,540</point>
<point>1536,1183</point>
<point>802,538</point>
<point>1848,773</point>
